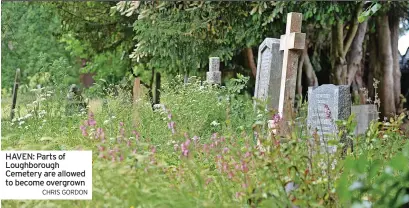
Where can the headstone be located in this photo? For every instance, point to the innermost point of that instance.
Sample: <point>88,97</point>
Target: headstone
<point>327,104</point>
<point>136,89</point>
<point>75,101</point>
<point>214,76</point>
<point>269,66</point>
<point>15,90</point>
<point>292,43</point>
<point>364,114</point>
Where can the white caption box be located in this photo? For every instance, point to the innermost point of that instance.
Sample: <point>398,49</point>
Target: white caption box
<point>26,175</point>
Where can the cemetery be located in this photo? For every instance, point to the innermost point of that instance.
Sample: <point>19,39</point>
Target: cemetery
<point>214,104</point>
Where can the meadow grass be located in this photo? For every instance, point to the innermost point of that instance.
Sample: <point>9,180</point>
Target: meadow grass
<point>198,149</point>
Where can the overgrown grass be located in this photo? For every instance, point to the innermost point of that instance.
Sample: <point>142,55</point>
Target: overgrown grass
<point>199,150</point>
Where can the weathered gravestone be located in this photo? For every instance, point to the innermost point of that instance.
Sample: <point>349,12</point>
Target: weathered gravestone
<point>136,91</point>
<point>364,114</point>
<point>327,104</point>
<point>75,101</point>
<point>15,90</point>
<point>214,75</point>
<point>268,79</point>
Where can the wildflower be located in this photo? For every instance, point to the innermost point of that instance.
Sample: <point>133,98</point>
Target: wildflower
<point>209,180</point>
<point>230,175</point>
<point>84,130</point>
<point>184,148</point>
<point>238,194</point>
<point>121,123</point>
<point>153,150</point>
<point>247,155</point>
<point>225,150</point>
<point>170,116</point>
<point>205,148</point>
<point>244,167</point>
<point>91,121</point>
<point>214,123</point>
<point>101,148</point>
<point>225,167</point>
<point>244,185</point>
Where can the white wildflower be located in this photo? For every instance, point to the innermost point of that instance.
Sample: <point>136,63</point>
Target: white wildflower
<point>214,123</point>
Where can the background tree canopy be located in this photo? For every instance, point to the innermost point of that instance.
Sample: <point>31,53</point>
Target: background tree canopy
<point>347,42</point>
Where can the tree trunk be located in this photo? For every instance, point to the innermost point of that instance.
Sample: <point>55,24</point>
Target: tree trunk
<point>355,54</point>
<point>394,28</point>
<point>309,70</point>
<point>373,65</point>
<point>250,60</point>
<point>340,46</point>
<point>386,65</point>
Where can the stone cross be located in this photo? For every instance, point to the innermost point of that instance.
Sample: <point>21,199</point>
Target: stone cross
<point>15,90</point>
<point>214,76</point>
<point>291,43</point>
<point>268,77</point>
<point>327,104</point>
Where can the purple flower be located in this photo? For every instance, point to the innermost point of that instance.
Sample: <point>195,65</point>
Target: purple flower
<point>225,150</point>
<point>244,167</point>
<point>153,150</point>
<point>121,123</point>
<point>276,118</point>
<point>91,121</point>
<point>84,130</point>
<point>247,155</point>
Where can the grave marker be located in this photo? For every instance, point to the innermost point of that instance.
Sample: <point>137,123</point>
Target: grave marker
<point>364,114</point>
<point>292,43</point>
<point>136,89</point>
<point>214,76</point>
<point>327,104</point>
<point>15,90</point>
<point>268,78</point>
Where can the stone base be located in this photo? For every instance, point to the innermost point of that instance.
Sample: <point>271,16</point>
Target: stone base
<point>214,77</point>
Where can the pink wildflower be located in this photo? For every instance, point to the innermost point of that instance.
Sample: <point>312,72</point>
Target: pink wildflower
<point>208,181</point>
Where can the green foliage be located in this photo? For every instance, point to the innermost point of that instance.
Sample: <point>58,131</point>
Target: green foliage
<point>29,41</point>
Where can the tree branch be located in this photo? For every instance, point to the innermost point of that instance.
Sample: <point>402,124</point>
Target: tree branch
<point>340,37</point>
<point>352,31</point>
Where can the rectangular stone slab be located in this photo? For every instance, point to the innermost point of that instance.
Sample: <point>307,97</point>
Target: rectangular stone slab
<point>268,78</point>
